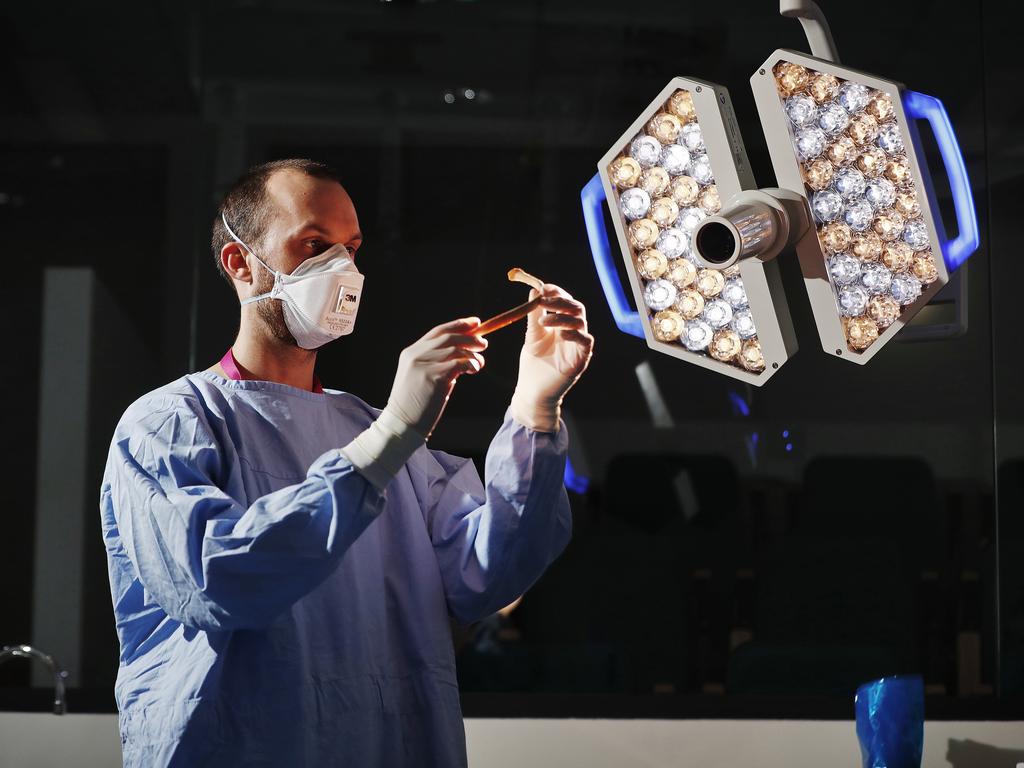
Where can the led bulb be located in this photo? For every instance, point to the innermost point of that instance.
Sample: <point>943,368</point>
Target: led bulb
<point>734,293</point>
<point>854,97</point>
<point>691,137</point>
<point>634,203</point>
<point>674,242</point>
<point>905,289</point>
<point>646,150</point>
<point>651,264</point>
<point>659,295</point>
<point>858,215</point>
<point>810,142</point>
<point>827,205</point>
<point>880,193</point>
<point>801,110</point>
<point>876,278</point>
<point>849,183</point>
<point>717,313</point>
<point>833,119</point>
<point>697,335</point>
<point>675,159</point>
<point>689,218</point>
<point>743,324</point>
<point>915,234</point>
<point>700,169</point>
<point>889,138</point>
<point>853,300</point>
<point>844,269</point>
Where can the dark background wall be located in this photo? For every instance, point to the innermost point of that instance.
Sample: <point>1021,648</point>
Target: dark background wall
<point>123,124</point>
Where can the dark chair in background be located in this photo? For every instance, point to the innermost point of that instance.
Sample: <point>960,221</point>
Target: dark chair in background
<point>669,540</point>
<point>848,594</point>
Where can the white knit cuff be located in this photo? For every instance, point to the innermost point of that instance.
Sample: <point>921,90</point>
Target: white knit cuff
<point>382,449</point>
<point>537,416</point>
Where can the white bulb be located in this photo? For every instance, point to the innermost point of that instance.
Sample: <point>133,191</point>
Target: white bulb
<point>801,110</point>
<point>743,323</point>
<point>700,169</point>
<point>889,138</point>
<point>827,205</point>
<point>674,159</point>
<point>735,293</point>
<point>905,289</point>
<point>673,242</point>
<point>689,218</point>
<point>915,234</point>
<point>810,142</point>
<point>844,268</point>
<point>833,119</point>
<point>646,150</point>
<point>691,137</point>
<point>858,215</point>
<point>697,335</point>
<point>853,97</point>
<point>659,295</point>
<point>634,203</point>
<point>717,313</point>
<point>876,278</point>
<point>849,182</point>
<point>853,300</point>
<point>880,193</point>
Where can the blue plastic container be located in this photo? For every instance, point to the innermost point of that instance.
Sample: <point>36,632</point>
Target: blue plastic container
<point>890,722</point>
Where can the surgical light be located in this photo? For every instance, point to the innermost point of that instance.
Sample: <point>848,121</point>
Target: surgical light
<point>696,242</point>
<point>848,142</point>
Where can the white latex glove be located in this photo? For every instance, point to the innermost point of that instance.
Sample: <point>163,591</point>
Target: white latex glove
<point>426,375</point>
<point>556,352</point>
<point>428,369</point>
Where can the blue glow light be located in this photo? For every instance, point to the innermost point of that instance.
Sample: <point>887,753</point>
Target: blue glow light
<point>789,447</point>
<point>739,405</point>
<point>785,433</point>
<point>956,251</point>
<point>575,483</point>
<point>751,441</point>
<point>628,320</point>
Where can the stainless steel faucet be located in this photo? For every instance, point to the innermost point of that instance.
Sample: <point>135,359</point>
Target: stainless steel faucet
<point>28,652</point>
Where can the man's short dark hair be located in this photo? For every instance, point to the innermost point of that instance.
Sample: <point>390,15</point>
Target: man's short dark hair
<point>247,207</point>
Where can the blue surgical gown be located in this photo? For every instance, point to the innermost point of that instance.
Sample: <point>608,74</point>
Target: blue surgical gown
<point>274,608</point>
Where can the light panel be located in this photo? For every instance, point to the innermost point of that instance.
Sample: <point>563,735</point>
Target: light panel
<point>877,253</point>
<point>669,172</point>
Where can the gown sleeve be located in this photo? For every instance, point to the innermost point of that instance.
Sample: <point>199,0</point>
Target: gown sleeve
<point>207,560</point>
<point>494,540</point>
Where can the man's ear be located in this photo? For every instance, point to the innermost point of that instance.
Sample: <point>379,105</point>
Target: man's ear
<point>232,258</point>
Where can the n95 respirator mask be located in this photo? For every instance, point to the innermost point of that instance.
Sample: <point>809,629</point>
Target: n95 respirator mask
<point>320,297</point>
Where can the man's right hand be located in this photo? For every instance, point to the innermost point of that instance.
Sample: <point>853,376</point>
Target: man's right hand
<point>428,368</point>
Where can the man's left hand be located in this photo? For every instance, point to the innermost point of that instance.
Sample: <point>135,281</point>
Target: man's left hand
<point>557,350</point>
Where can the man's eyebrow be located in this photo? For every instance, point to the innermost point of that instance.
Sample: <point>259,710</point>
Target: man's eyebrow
<point>314,227</point>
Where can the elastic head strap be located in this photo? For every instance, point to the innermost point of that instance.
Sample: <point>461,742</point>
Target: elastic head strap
<point>242,243</point>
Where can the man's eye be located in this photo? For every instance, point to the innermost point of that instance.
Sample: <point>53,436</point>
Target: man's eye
<point>317,246</point>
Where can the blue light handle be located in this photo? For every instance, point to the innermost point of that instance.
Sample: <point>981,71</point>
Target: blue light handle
<point>922,107</point>
<point>627,319</point>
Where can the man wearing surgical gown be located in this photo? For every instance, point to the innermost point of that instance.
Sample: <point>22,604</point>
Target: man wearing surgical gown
<point>283,557</point>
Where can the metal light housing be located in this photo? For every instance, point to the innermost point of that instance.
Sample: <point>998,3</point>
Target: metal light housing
<point>731,238</point>
<point>862,295</point>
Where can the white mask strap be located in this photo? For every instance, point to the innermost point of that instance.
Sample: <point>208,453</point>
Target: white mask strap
<point>242,243</point>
